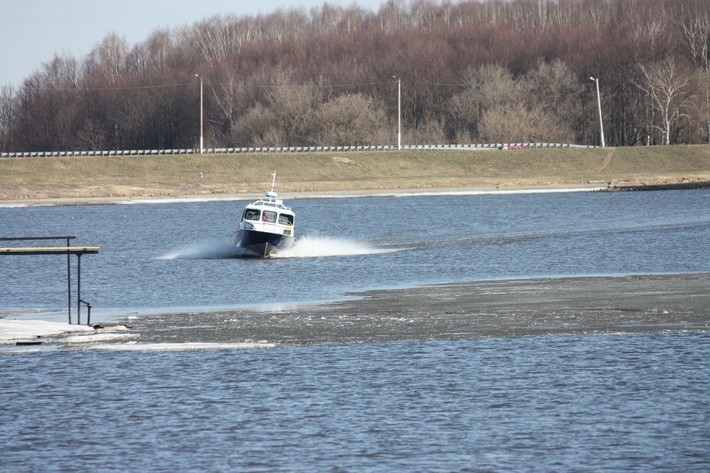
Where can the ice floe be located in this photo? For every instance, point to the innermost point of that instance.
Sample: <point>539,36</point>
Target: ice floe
<point>12,329</point>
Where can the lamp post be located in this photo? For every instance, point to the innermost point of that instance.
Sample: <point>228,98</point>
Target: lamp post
<point>399,112</point>
<point>202,141</point>
<point>599,104</point>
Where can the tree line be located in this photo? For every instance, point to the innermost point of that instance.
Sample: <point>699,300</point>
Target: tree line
<point>469,71</point>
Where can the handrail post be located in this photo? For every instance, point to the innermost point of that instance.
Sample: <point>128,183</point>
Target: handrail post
<point>69,281</point>
<point>88,311</point>
<point>78,288</point>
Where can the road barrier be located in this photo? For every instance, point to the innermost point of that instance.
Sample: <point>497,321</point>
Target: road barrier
<point>291,149</point>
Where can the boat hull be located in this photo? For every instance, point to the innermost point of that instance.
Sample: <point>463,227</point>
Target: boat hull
<point>262,244</point>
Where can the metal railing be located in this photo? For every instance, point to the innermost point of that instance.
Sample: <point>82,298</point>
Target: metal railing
<point>68,250</point>
<point>290,149</point>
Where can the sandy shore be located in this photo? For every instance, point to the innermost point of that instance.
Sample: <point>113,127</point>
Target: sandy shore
<point>506,308</point>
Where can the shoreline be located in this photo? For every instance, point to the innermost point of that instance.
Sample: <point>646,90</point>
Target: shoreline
<point>337,194</point>
<point>294,195</point>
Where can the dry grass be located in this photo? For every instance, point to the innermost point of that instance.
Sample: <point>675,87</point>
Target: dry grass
<point>39,178</point>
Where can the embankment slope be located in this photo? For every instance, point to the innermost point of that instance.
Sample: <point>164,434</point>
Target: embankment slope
<point>180,175</point>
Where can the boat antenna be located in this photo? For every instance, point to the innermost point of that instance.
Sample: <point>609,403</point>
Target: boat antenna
<point>271,194</point>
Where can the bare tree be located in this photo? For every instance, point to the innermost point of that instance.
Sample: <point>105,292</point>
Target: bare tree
<point>226,94</point>
<point>429,131</point>
<point>554,89</point>
<point>490,85</point>
<point>7,106</point>
<point>391,16</point>
<point>61,72</point>
<point>109,58</point>
<point>257,128</point>
<point>517,123</point>
<point>667,86</point>
<point>334,19</point>
<point>550,92</point>
<point>696,31</point>
<point>293,106</point>
<point>91,136</point>
<point>219,37</point>
<point>350,119</point>
<point>465,63</point>
<point>154,52</point>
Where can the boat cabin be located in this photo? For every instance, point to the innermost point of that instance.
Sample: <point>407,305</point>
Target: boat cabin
<point>268,215</point>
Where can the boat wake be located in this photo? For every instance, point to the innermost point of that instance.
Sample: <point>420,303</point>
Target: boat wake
<point>314,247</point>
<point>205,250</point>
<point>319,246</point>
<point>305,247</point>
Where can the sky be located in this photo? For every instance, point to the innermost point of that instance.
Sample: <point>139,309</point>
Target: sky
<point>33,31</point>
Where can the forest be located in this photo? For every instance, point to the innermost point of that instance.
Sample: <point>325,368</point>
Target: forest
<point>480,71</point>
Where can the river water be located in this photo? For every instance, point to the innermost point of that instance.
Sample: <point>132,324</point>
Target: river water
<point>550,403</point>
<point>171,256</point>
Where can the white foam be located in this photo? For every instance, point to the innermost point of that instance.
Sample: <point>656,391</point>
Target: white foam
<point>204,250</point>
<point>305,247</point>
<point>311,247</point>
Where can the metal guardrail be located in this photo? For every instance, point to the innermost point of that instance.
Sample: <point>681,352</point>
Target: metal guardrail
<point>291,149</point>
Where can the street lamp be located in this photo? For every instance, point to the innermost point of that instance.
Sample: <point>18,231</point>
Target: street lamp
<point>202,141</point>
<point>599,103</point>
<point>399,112</point>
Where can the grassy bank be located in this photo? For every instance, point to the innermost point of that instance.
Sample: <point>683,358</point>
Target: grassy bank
<point>40,178</point>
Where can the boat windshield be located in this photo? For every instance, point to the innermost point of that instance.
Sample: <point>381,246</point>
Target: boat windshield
<point>268,216</point>
<point>252,214</point>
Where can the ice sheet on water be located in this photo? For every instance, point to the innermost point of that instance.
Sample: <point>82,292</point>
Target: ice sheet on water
<point>11,329</point>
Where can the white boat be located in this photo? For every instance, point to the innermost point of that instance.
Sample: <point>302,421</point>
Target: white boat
<point>266,227</point>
